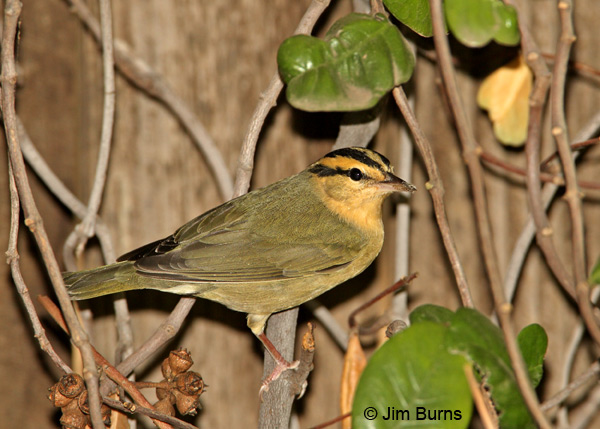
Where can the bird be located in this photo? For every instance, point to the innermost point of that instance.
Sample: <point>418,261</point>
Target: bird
<point>268,250</point>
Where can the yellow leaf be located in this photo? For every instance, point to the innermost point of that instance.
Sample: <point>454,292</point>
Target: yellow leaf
<point>354,363</point>
<point>505,95</point>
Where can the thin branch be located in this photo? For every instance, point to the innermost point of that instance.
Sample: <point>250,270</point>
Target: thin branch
<point>544,177</point>
<point>153,414</point>
<point>537,99</point>
<point>435,187</point>
<point>143,76</point>
<point>470,154</point>
<point>12,258</point>
<point>523,243</point>
<point>575,147</point>
<point>58,189</point>
<point>572,194</point>
<point>167,330</point>
<point>267,101</point>
<point>404,165</point>
<point>584,378</point>
<point>108,117</point>
<point>588,411</point>
<point>403,282</point>
<point>569,359</point>
<point>32,216</point>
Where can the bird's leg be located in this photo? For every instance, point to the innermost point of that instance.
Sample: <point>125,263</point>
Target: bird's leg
<point>281,364</point>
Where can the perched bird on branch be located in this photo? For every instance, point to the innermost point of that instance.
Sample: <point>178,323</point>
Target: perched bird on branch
<point>269,250</point>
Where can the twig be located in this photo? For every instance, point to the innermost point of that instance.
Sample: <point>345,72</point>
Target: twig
<point>574,147</point>
<point>544,177</point>
<point>153,414</point>
<point>143,76</point>
<point>404,281</point>
<point>32,216</point>
<point>436,189</point>
<point>584,378</point>
<point>404,164</point>
<point>572,194</point>
<point>12,258</point>
<point>587,411</point>
<point>470,153</point>
<point>331,325</point>
<point>86,229</point>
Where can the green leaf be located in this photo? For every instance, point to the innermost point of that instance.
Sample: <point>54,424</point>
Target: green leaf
<point>595,274</point>
<point>473,22</point>
<point>533,343</point>
<point>508,31</point>
<point>476,22</point>
<point>415,14</point>
<point>410,375</point>
<point>431,313</point>
<point>474,336</point>
<point>361,59</point>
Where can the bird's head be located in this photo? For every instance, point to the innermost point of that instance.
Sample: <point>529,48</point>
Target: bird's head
<point>353,182</point>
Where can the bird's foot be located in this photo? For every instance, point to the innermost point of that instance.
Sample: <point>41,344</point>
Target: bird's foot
<point>281,366</point>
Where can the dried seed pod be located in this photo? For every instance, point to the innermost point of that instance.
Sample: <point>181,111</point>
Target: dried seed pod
<point>189,383</point>
<point>166,370</point>
<point>165,406</point>
<point>164,393</point>
<point>71,385</point>
<point>186,404</point>
<point>57,398</point>
<point>180,360</point>
<point>73,419</point>
<point>83,404</point>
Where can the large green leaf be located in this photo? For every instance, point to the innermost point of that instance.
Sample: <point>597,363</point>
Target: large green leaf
<point>474,336</point>
<point>415,14</point>
<point>361,59</point>
<point>412,381</point>
<point>431,313</point>
<point>533,343</point>
<point>476,22</point>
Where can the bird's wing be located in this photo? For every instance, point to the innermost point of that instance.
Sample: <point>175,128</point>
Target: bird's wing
<point>221,246</point>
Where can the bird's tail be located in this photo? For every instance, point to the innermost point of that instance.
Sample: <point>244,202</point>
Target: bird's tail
<point>100,281</point>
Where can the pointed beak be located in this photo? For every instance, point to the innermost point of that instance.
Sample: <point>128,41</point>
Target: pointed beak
<point>395,184</point>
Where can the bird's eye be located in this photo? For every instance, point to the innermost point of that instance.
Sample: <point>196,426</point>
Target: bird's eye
<point>355,174</point>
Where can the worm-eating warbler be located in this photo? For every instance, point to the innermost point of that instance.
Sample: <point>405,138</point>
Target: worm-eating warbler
<point>269,250</point>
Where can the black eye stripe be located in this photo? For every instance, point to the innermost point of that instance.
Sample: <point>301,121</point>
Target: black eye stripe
<point>360,156</point>
<point>323,171</point>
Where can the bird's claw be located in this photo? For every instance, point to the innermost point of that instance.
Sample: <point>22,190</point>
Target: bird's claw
<point>280,368</point>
